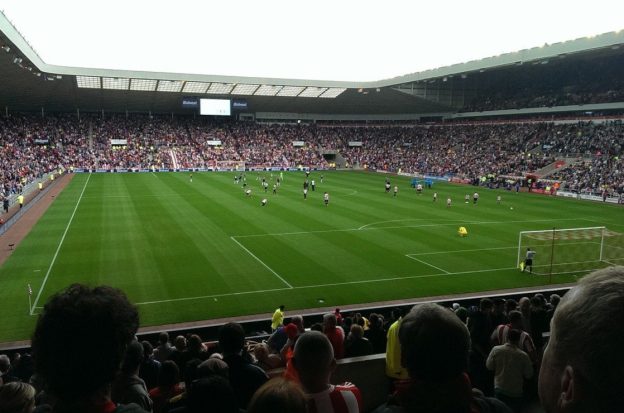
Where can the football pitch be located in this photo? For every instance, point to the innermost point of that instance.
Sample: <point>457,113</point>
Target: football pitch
<point>186,251</point>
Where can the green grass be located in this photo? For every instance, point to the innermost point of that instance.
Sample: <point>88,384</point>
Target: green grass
<point>187,251</point>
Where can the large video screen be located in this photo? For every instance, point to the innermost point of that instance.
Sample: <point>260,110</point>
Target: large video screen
<point>215,107</point>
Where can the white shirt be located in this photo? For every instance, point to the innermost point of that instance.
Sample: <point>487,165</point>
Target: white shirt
<point>511,366</point>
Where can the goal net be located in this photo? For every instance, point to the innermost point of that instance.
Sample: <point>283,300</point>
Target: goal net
<point>231,165</point>
<point>571,250</point>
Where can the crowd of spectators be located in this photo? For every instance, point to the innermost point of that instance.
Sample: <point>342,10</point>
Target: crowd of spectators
<point>34,145</point>
<point>439,359</point>
<point>551,84</point>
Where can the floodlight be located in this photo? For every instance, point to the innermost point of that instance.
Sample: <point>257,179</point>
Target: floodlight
<point>290,90</point>
<point>148,85</point>
<point>169,85</point>
<point>220,88</point>
<point>89,82</point>
<point>115,83</point>
<point>267,90</point>
<point>243,89</point>
<point>195,87</point>
<point>334,92</point>
<point>312,92</point>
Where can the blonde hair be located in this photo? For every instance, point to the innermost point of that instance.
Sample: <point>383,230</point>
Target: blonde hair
<point>17,397</point>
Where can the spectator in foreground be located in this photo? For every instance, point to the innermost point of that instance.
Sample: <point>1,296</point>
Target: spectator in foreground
<point>394,369</point>
<point>17,397</point>
<point>356,345</point>
<point>164,348</point>
<point>278,395</point>
<point>78,345</point>
<point>128,387</point>
<point>150,367</point>
<point>501,333</point>
<point>583,361</point>
<point>245,377</point>
<point>212,394</point>
<point>5,370</point>
<point>511,367</point>
<point>335,334</point>
<point>434,350</point>
<point>314,361</point>
<point>168,385</point>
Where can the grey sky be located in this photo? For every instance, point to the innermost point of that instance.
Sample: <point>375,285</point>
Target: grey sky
<point>353,40</point>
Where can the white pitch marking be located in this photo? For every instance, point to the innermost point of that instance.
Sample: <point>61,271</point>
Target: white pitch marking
<point>426,263</point>
<point>261,262</point>
<point>398,227</point>
<point>45,279</point>
<point>393,220</point>
<point>409,277</point>
<point>478,249</point>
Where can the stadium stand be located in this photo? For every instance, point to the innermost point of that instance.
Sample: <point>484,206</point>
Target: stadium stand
<point>35,146</point>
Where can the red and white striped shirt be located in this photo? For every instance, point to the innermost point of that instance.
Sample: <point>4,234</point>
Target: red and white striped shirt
<point>344,398</point>
<point>499,337</point>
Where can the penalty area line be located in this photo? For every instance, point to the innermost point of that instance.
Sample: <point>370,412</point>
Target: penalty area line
<point>261,262</point>
<point>426,263</point>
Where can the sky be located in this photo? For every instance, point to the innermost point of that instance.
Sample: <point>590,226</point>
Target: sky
<point>345,40</point>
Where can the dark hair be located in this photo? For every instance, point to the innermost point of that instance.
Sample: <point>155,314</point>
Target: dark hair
<point>213,394</point>
<point>194,344</point>
<point>278,395</point>
<point>148,349</point>
<point>163,337</point>
<point>231,338</point>
<point>513,336</point>
<point>169,374</point>
<point>486,304</point>
<point>81,337</point>
<point>434,343</point>
<point>133,358</point>
<point>515,316</point>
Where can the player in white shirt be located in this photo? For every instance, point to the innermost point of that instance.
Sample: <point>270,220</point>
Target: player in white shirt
<point>498,199</point>
<point>313,184</point>
<point>305,193</point>
<point>264,201</point>
<point>419,188</point>
<point>326,198</point>
<point>248,192</point>
<point>475,198</point>
<point>435,196</point>
<point>396,190</point>
<point>448,202</point>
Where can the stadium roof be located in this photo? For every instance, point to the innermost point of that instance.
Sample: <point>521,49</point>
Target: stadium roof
<point>28,83</point>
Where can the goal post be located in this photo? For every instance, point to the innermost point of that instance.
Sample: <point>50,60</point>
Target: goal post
<point>231,165</point>
<point>571,250</point>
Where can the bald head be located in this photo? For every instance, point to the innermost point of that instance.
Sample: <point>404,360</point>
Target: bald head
<point>434,343</point>
<point>313,359</point>
<point>584,361</point>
